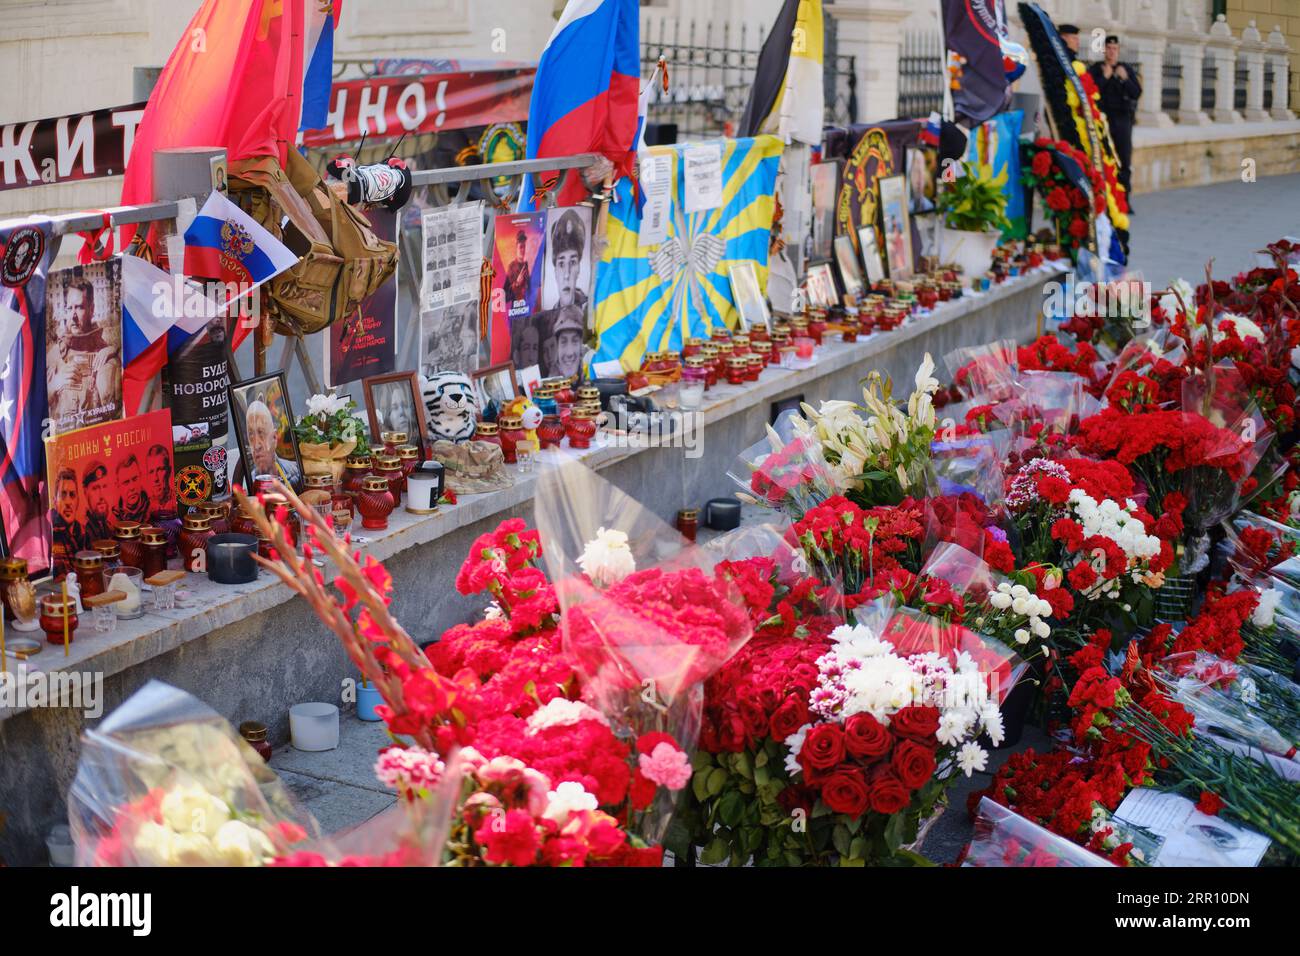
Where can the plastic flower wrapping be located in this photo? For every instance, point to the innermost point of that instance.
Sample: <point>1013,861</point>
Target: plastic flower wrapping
<point>646,619</point>
<point>1238,704</point>
<point>165,781</point>
<point>1003,838</point>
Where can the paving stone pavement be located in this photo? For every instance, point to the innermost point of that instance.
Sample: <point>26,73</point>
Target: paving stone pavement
<point>1176,231</point>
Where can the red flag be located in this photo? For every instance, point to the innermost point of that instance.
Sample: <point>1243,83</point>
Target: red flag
<point>234,80</point>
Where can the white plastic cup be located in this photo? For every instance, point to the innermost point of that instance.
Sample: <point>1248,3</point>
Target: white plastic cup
<point>314,726</point>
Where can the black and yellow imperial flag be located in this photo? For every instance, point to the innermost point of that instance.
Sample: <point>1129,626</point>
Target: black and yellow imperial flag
<point>787,98</point>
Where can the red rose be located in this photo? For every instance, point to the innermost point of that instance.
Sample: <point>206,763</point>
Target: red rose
<point>1058,200</point>
<point>913,762</point>
<point>917,722</point>
<point>1078,228</point>
<point>823,748</point>
<point>888,794</point>
<point>846,791</point>
<point>1042,164</point>
<point>789,717</point>
<point>866,737</point>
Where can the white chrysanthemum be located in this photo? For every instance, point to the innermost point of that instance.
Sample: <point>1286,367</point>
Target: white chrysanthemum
<point>954,725</point>
<point>972,757</point>
<point>567,799</point>
<point>1265,609</point>
<point>991,721</point>
<point>607,559</point>
<point>562,712</point>
<point>794,744</point>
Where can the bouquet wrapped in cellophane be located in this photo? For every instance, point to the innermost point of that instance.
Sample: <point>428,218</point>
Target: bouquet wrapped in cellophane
<point>1003,838</point>
<point>1245,708</point>
<point>646,619</point>
<point>166,781</point>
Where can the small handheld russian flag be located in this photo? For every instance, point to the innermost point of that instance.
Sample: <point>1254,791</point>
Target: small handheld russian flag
<point>929,134</point>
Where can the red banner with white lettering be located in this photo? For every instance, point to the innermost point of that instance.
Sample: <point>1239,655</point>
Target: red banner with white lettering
<point>67,148</point>
<point>385,107</point>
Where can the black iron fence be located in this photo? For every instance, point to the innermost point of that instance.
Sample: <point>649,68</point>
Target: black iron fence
<point>921,74</point>
<point>1171,82</point>
<point>1209,83</point>
<point>711,70</point>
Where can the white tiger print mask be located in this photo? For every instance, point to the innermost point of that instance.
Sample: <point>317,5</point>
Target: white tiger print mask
<point>452,406</point>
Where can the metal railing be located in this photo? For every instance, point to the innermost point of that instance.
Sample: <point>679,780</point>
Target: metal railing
<point>711,69</point>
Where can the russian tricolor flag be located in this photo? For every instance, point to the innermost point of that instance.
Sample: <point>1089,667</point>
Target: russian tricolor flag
<point>586,90</point>
<point>160,313</point>
<point>226,243</point>
<point>322,19</point>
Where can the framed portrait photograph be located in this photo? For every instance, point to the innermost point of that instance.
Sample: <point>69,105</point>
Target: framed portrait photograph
<point>822,292</point>
<point>749,299</point>
<point>847,259</point>
<point>83,344</point>
<point>922,165</point>
<point>566,281</point>
<point>871,260</point>
<point>494,387</point>
<point>897,224</point>
<point>394,404</point>
<point>264,429</point>
<point>825,182</point>
<point>449,340</point>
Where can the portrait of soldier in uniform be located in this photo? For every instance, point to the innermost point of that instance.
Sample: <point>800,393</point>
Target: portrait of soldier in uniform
<point>83,345</point>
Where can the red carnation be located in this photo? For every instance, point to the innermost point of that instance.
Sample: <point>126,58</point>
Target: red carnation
<point>1082,576</point>
<point>866,737</point>
<point>1209,804</point>
<point>846,791</point>
<point>510,840</point>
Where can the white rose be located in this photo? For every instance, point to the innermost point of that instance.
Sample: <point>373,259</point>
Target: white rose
<point>1000,600</point>
<point>238,844</point>
<point>1022,636</point>
<point>191,809</point>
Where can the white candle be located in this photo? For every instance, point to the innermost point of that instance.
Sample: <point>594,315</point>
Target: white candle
<point>131,604</point>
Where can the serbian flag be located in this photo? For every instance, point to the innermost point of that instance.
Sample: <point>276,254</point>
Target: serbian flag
<point>234,80</point>
<point>227,244</point>
<point>318,59</point>
<point>585,92</point>
<point>160,312</point>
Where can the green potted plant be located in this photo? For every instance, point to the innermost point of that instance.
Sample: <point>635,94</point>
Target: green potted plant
<point>330,432</point>
<point>973,210</point>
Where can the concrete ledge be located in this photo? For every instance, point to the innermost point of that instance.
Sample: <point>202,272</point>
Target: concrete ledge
<point>253,651</point>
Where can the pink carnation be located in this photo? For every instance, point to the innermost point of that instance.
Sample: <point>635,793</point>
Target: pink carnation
<point>666,766</point>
